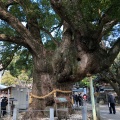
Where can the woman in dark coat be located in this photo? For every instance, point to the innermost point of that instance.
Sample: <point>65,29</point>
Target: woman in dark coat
<point>4,103</point>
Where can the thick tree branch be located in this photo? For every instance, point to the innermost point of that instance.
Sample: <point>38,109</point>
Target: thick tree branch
<point>59,26</point>
<point>17,40</point>
<point>107,78</point>
<point>106,23</point>
<point>7,3</point>
<point>106,28</point>
<point>115,87</point>
<point>11,2</point>
<point>73,17</point>
<point>60,10</point>
<point>105,18</point>
<point>113,52</point>
<point>29,40</point>
<point>32,16</point>
<point>15,23</point>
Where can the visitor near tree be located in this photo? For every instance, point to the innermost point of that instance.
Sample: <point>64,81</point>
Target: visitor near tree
<point>111,103</point>
<point>76,99</point>
<point>4,103</point>
<point>73,98</point>
<point>85,97</point>
<point>80,99</point>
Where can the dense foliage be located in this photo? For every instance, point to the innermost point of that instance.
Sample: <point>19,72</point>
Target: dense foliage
<point>92,14</point>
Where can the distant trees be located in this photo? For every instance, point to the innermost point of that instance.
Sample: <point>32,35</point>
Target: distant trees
<point>21,80</point>
<point>8,79</point>
<point>112,75</point>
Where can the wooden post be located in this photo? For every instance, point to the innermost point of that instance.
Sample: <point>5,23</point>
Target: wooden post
<point>0,105</point>
<point>84,111</point>
<point>54,94</point>
<point>8,101</point>
<point>0,90</point>
<point>92,99</point>
<point>51,113</point>
<point>98,111</point>
<point>15,113</point>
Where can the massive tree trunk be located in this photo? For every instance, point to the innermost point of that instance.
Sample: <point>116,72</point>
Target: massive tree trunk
<point>79,56</point>
<point>42,84</point>
<point>84,53</point>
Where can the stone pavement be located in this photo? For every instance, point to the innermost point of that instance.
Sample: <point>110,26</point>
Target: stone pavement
<point>104,113</point>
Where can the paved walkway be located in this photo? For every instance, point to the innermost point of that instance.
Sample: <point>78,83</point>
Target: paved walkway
<point>104,113</point>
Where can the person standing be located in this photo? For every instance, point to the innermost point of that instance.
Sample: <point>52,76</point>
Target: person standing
<point>111,103</point>
<point>85,97</point>
<point>80,99</point>
<point>4,103</point>
<point>76,99</point>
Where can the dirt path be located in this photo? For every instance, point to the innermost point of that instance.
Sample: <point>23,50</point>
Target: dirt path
<point>77,115</point>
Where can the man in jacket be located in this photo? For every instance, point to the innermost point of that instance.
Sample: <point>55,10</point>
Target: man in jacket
<point>111,103</point>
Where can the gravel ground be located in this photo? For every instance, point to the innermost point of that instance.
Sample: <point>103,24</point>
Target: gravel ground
<point>76,116</point>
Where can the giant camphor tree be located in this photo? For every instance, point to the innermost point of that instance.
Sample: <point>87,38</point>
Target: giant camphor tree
<point>80,52</point>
